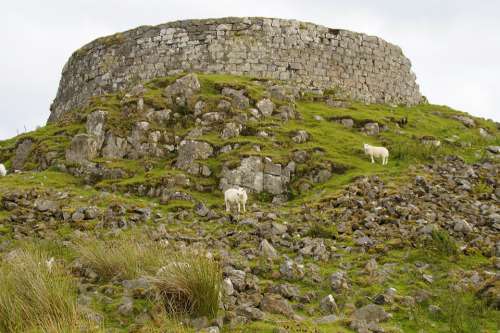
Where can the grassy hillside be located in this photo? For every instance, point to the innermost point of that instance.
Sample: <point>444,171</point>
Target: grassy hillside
<point>45,212</point>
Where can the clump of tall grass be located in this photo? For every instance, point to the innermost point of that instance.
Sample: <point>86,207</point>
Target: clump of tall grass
<point>189,285</point>
<point>318,230</point>
<point>122,258</point>
<point>443,243</point>
<point>415,151</point>
<point>458,312</point>
<point>36,298</point>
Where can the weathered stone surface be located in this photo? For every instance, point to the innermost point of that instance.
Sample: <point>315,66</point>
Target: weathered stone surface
<point>300,137</point>
<point>23,151</point>
<point>184,87</point>
<point>347,122</point>
<point>159,116</point>
<point>469,122</point>
<point>290,270</point>
<point>276,304</point>
<point>238,99</point>
<point>266,107</point>
<point>371,128</point>
<point>286,47</point>
<point>371,313</point>
<point>190,150</point>
<point>231,130</point>
<point>114,147</point>
<point>95,125</point>
<point>328,305</point>
<point>83,147</point>
<point>267,250</point>
<point>257,174</point>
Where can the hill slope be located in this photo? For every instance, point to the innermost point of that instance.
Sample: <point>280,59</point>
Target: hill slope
<point>127,195</point>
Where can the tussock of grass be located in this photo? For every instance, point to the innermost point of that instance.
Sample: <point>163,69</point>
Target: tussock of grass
<point>443,243</point>
<point>415,151</point>
<point>456,312</point>
<point>35,298</point>
<point>318,230</point>
<point>190,285</point>
<point>122,258</point>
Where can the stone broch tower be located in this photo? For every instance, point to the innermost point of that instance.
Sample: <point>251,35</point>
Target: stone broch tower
<point>368,68</point>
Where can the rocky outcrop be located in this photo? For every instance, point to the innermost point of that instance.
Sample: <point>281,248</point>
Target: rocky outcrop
<point>23,151</point>
<point>258,174</point>
<point>83,148</point>
<point>189,151</point>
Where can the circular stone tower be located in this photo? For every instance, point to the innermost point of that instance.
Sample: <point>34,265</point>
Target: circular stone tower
<point>366,68</point>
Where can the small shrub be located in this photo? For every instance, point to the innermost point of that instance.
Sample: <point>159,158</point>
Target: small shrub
<point>189,285</point>
<point>36,299</point>
<point>462,312</point>
<point>482,188</point>
<point>443,243</point>
<point>264,197</point>
<point>122,258</point>
<point>318,230</point>
<point>414,151</point>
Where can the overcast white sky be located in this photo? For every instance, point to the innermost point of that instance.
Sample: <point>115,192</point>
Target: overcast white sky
<point>454,45</point>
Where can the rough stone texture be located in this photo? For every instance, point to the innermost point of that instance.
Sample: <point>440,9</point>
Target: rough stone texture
<point>257,174</point>
<point>96,122</point>
<point>23,151</point>
<point>83,148</point>
<point>367,68</point>
<point>189,151</point>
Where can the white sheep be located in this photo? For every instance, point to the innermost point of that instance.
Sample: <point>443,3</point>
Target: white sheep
<point>235,195</point>
<point>3,170</point>
<point>377,152</point>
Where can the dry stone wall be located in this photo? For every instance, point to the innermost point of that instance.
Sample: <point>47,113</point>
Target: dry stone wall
<point>367,68</point>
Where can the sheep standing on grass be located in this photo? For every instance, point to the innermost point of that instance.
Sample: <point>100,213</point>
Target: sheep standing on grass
<point>373,151</point>
<point>3,170</point>
<point>235,195</point>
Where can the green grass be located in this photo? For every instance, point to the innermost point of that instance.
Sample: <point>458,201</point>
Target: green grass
<point>443,243</point>
<point>34,298</point>
<point>124,258</point>
<point>189,284</point>
<point>191,290</point>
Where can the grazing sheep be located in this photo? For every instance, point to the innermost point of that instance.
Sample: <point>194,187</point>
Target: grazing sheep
<point>235,195</point>
<point>377,152</point>
<point>3,170</point>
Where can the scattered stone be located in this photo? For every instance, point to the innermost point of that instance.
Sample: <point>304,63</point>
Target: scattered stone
<point>126,306</point>
<point>276,304</point>
<point>494,149</point>
<point>227,286</point>
<point>83,148</point>
<point>329,319</point>
<point>371,313</point>
<point>44,205</point>
<point>371,129</point>
<point>338,281</point>
<point>291,270</point>
<point>231,130</point>
<point>347,122</point>
<point>462,226</point>
<point>469,122</point>
<point>185,87</point>
<point>300,137</point>
<point>267,250</point>
<point>328,305</point>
